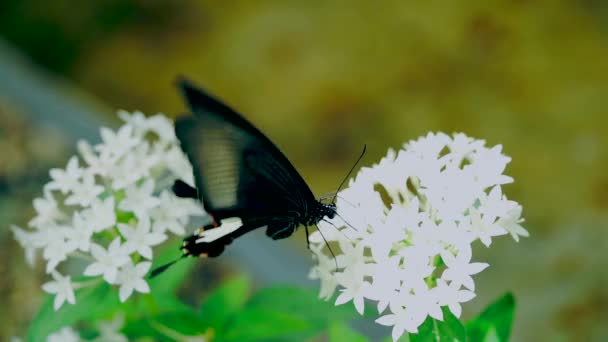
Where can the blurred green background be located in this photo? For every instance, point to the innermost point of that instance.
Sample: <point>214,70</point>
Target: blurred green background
<point>322,78</point>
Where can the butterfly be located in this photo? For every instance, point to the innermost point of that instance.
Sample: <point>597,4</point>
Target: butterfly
<point>241,178</point>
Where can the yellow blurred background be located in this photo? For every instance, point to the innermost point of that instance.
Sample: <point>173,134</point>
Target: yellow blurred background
<point>322,78</point>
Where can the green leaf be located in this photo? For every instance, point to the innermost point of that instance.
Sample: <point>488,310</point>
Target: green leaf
<point>340,331</point>
<point>495,322</point>
<point>142,328</point>
<point>301,302</point>
<point>450,329</point>
<point>284,313</point>
<point>256,324</point>
<point>92,302</point>
<point>225,301</point>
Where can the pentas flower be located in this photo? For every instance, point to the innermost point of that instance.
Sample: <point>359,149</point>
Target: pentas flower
<point>405,228</point>
<point>111,206</point>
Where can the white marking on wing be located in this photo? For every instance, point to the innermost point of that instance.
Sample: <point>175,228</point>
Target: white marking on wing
<point>228,226</point>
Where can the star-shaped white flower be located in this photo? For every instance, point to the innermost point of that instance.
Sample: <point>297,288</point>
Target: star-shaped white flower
<point>85,193</point>
<point>141,238</point>
<point>425,301</point>
<point>117,144</point>
<point>101,214</point>
<point>47,211</point>
<point>137,120</point>
<point>328,282</point>
<point>171,214</point>
<point>460,269</point>
<point>62,288</point>
<point>107,261</point>
<point>163,127</point>
<point>386,279</point>
<point>26,240</point>
<point>131,278</point>
<point>66,334</point>
<point>494,204</point>
<point>79,233</point>
<point>109,331</point>
<point>401,319</point>
<point>57,248</point>
<point>482,228</point>
<point>354,288</point>
<point>177,162</point>
<point>97,165</point>
<point>65,180</point>
<point>511,223</point>
<point>139,199</point>
<point>452,295</point>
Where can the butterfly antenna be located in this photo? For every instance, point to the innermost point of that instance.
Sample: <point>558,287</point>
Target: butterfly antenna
<point>328,246</point>
<point>349,172</point>
<point>345,200</point>
<point>348,224</point>
<point>163,268</point>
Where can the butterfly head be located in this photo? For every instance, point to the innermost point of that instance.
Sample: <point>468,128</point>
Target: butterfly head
<point>327,210</point>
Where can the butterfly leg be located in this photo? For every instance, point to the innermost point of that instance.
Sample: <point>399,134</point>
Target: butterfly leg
<point>183,190</point>
<point>205,249</point>
<point>307,239</point>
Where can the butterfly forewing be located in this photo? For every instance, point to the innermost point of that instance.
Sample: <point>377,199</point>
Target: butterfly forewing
<point>238,171</point>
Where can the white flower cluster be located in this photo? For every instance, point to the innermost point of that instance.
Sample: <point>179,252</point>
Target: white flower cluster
<point>113,209</point>
<point>406,225</point>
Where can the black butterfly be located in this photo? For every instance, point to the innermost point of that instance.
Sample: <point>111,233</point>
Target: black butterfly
<point>239,172</point>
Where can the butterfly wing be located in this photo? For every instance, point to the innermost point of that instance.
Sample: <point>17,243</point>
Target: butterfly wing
<point>238,171</point>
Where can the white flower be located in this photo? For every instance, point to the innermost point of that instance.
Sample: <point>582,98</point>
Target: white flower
<point>108,261</point>
<point>85,192</point>
<point>419,206</point>
<point>163,127</point>
<point>137,120</point>
<point>47,211</point>
<point>511,223</point>
<point>140,238</point>
<point>402,319</point>
<point>115,145</point>
<point>133,166</point>
<point>139,199</point>
<point>57,247</point>
<point>452,295</point>
<point>328,286</point>
<point>460,269</point>
<point>98,165</point>
<point>101,214</point>
<point>80,233</point>
<point>355,288</point>
<point>67,180</point>
<point>482,229</point>
<point>131,277</point>
<point>26,240</point>
<point>172,214</point>
<point>109,331</point>
<point>61,287</point>
<point>66,334</point>
<point>121,193</point>
<point>178,164</point>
